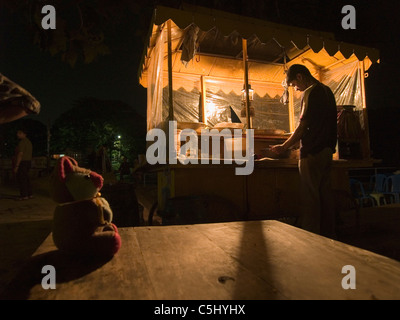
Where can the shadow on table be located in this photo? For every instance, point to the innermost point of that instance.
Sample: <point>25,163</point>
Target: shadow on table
<point>19,240</point>
<point>254,254</point>
<point>67,268</point>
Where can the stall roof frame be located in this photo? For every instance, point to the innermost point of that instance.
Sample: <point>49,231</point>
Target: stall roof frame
<point>294,41</point>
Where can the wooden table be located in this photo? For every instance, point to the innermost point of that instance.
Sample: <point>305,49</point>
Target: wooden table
<point>235,260</point>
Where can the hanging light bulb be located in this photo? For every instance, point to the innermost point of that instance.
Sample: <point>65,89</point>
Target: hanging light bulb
<point>251,98</point>
<point>251,94</point>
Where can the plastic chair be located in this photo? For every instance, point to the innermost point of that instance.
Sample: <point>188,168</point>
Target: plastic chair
<point>377,186</point>
<point>358,192</point>
<point>392,187</point>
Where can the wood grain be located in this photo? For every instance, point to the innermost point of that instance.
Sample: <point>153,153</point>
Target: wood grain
<point>235,260</point>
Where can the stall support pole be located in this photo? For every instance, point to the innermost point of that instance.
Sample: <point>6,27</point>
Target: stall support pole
<point>170,92</point>
<point>171,144</point>
<point>292,125</point>
<point>246,83</point>
<point>203,101</point>
<point>367,152</point>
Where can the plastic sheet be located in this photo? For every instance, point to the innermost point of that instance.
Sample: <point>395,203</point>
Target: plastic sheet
<point>189,46</point>
<point>186,105</point>
<point>222,99</point>
<point>223,104</point>
<point>155,84</point>
<point>186,98</point>
<point>345,83</point>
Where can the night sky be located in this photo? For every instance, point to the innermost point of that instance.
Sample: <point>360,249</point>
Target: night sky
<point>57,85</point>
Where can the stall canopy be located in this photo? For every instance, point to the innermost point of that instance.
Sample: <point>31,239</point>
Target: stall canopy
<point>207,63</point>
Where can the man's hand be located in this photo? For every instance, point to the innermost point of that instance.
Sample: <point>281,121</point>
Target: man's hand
<point>293,140</point>
<point>15,170</point>
<point>278,149</point>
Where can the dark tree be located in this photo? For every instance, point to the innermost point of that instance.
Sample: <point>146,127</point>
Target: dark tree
<point>84,29</point>
<point>93,123</point>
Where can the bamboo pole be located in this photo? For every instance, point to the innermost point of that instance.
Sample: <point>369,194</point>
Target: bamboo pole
<point>367,152</point>
<point>171,143</point>
<point>170,92</point>
<point>246,83</point>
<point>203,106</point>
<point>362,72</point>
<point>292,125</point>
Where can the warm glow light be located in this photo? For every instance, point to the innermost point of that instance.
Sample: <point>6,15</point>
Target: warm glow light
<point>251,94</point>
<point>211,110</point>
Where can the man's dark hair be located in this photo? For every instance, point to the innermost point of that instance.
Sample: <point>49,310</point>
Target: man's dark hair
<point>23,129</point>
<point>294,70</point>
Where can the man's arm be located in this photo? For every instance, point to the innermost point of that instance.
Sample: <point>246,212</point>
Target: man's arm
<point>294,138</point>
<point>18,161</point>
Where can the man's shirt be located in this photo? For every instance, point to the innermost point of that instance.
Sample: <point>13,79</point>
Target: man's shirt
<point>320,115</point>
<point>25,146</point>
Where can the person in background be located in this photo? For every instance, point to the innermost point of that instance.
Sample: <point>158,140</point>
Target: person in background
<point>103,163</point>
<point>22,165</point>
<point>317,134</point>
<point>124,169</point>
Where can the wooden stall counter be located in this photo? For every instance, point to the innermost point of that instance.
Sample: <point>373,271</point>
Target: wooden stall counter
<point>236,260</point>
<point>272,190</point>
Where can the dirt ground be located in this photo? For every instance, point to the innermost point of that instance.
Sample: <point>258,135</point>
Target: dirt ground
<point>378,230</point>
<point>23,227</point>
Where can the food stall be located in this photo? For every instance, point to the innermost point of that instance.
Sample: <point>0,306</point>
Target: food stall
<point>209,71</point>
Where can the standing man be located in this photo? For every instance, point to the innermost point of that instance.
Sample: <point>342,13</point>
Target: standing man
<point>23,165</point>
<point>317,134</point>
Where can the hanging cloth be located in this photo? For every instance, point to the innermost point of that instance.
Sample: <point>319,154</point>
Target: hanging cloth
<point>189,45</point>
